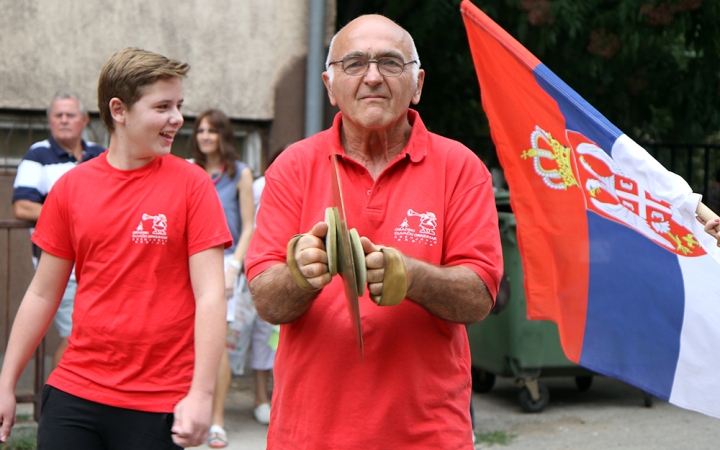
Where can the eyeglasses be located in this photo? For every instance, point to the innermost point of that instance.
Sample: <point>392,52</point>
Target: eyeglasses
<point>388,66</point>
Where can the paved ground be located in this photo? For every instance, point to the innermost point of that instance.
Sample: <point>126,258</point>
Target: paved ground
<point>610,415</point>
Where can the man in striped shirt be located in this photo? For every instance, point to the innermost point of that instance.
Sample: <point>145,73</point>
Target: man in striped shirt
<point>44,163</point>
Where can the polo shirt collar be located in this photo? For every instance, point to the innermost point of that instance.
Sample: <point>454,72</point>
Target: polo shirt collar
<point>61,151</point>
<point>416,147</point>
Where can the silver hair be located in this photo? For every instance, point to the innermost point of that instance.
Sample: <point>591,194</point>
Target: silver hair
<point>62,95</point>
<point>413,57</point>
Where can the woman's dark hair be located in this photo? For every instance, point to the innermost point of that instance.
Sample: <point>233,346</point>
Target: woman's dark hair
<point>226,148</point>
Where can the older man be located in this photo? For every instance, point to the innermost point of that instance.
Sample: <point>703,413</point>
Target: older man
<point>426,196</point>
<point>44,163</point>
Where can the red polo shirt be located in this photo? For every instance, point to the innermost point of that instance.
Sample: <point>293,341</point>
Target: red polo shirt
<point>434,202</point>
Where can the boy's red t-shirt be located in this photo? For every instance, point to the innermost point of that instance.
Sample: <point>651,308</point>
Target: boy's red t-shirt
<point>130,234</point>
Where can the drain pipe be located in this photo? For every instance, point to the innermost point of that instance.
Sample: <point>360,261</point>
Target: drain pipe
<point>314,88</point>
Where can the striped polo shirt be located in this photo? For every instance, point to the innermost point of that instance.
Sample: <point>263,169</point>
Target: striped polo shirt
<point>43,164</point>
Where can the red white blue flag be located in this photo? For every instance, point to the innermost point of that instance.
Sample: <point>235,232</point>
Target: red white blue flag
<point>610,247</point>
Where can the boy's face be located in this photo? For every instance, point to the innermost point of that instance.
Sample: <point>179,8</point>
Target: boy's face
<point>153,121</point>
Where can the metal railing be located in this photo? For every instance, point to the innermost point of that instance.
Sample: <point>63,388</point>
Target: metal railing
<point>7,226</point>
<point>698,164</point>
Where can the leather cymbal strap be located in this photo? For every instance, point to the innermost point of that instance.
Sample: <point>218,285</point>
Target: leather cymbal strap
<point>394,279</point>
<point>293,265</point>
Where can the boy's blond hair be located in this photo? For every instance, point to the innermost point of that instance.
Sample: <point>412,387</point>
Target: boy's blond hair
<point>126,74</point>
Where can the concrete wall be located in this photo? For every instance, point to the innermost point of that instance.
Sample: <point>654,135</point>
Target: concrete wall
<point>238,49</point>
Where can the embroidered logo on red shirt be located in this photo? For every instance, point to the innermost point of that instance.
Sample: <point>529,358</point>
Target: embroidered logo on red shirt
<point>158,235</point>
<point>426,222</point>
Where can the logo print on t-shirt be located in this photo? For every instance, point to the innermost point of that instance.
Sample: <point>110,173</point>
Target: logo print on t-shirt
<point>157,223</point>
<point>426,222</point>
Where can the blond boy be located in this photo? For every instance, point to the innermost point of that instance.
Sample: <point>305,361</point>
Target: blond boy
<point>146,233</point>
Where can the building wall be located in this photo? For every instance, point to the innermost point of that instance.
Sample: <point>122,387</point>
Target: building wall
<point>238,50</point>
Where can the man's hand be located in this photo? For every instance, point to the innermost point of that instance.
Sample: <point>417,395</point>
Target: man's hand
<point>192,419</point>
<point>7,414</point>
<point>311,257</point>
<point>709,219</point>
<point>712,227</point>
<point>712,224</point>
<point>375,262</point>
<point>277,292</point>
<point>387,276</point>
<point>453,293</point>
<point>231,276</point>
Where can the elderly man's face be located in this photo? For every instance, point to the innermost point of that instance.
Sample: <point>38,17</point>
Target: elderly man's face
<point>373,101</point>
<point>66,121</point>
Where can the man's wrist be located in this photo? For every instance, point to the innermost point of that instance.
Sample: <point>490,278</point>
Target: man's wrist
<point>234,263</point>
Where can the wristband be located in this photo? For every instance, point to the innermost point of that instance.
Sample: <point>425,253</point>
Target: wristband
<point>236,264</point>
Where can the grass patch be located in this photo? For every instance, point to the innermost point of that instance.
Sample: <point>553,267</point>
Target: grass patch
<point>21,440</point>
<point>494,437</point>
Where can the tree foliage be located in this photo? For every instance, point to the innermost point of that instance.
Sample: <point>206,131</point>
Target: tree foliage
<point>651,66</point>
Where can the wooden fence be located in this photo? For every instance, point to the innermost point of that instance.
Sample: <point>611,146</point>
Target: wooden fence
<point>15,274</point>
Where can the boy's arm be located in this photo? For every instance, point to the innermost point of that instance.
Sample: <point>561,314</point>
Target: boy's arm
<point>192,413</point>
<point>36,311</point>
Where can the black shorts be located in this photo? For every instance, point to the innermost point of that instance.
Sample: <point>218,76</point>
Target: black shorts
<point>68,422</point>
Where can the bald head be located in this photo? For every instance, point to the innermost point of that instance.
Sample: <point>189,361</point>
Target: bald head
<point>366,28</point>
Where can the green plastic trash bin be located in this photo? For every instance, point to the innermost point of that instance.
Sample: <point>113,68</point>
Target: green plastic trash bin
<point>507,344</point>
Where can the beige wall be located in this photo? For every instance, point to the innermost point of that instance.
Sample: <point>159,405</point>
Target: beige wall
<point>238,49</point>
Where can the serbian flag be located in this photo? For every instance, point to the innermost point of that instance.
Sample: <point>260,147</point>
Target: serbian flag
<point>610,246</point>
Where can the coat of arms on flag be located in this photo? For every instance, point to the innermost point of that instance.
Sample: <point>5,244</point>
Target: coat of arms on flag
<point>608,190</point>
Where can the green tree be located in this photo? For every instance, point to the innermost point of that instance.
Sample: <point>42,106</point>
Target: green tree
<point>651,66</point>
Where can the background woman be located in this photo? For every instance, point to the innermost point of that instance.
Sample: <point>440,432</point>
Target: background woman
<point>213,150</point>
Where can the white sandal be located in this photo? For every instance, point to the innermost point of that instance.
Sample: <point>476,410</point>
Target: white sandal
<point>217,437</point>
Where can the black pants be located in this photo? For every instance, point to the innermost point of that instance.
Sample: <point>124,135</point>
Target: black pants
<point>72,423</point>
